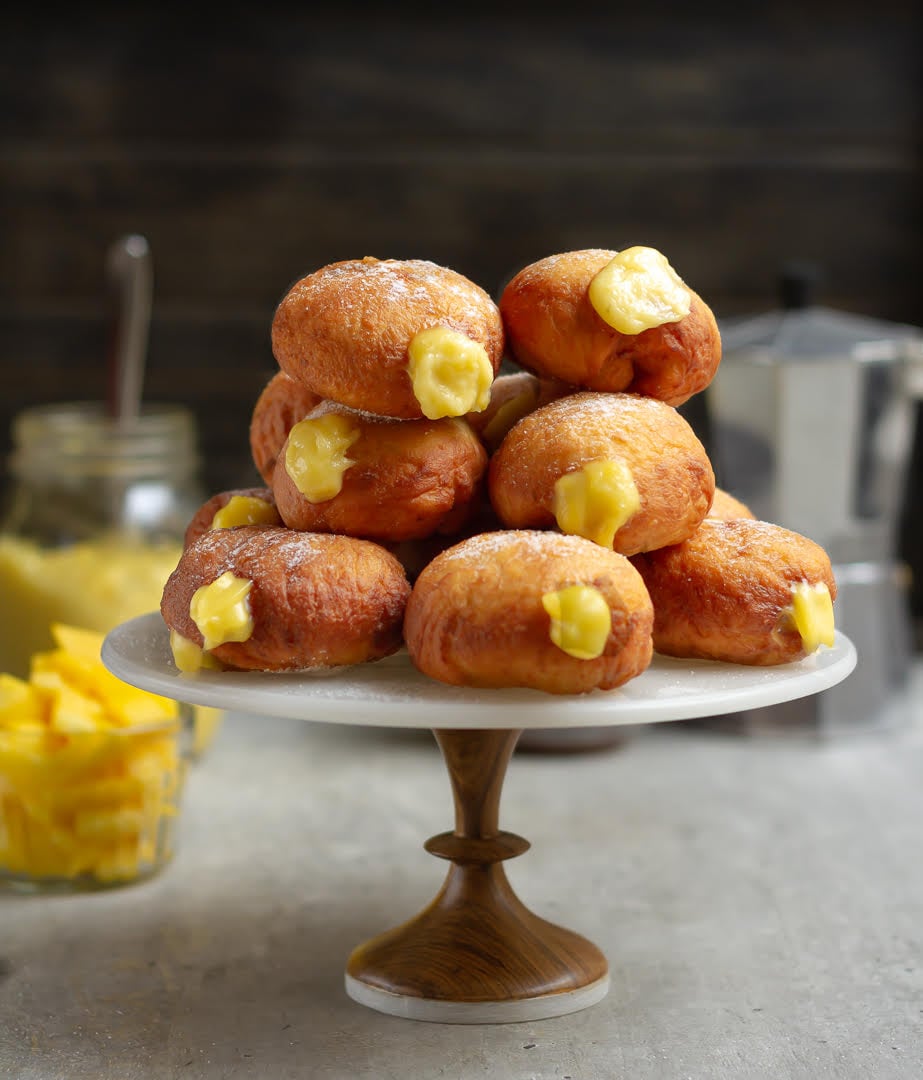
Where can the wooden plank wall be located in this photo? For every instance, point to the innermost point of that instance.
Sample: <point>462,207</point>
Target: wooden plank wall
<point>271,139</point>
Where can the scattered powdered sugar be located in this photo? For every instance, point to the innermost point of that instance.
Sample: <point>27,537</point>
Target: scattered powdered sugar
<point>630,407</point>
<point>287,545</point>
<point>552,264</point>
<point>295,548</point>
<point>531,542</point>
<point>398,282</point>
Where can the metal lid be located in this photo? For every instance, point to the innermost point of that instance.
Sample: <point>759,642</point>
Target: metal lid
<point>818,334</point>
<point>800,331</point>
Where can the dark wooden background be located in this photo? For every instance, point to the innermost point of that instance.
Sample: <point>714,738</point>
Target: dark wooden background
<point>257,146</point>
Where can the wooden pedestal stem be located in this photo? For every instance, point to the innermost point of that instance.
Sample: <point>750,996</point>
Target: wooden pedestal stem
<point>476,942</point>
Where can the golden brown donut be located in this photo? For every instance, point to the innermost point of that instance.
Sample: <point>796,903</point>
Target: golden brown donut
<point>348,331</point>
<point>314,600</point>
<point>728,593</point>
<point>390,479</point>
<point>635,460</point>
<point>477,614</point>
<point>553,330</point>
<point>725,505</point>
<point>240,506</point>
<point>282,403</point>
<point>415,554</point>
<point>513,395</point>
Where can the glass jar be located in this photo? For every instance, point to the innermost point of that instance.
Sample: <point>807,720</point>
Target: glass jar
<point>91,772</point>
<point>90,809</point>
<point>91,769</point>
<point>94,520</point>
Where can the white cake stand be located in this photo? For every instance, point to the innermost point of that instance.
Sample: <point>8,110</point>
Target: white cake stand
<point>476,953</point>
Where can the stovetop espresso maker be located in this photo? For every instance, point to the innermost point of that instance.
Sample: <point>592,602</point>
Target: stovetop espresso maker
<point>811,418</point>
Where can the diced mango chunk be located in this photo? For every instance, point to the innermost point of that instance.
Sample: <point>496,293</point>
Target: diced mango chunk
<point>20,705</point>
<point>84,792</point>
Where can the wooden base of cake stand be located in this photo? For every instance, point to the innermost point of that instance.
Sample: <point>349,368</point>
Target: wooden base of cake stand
<point>476,954</point>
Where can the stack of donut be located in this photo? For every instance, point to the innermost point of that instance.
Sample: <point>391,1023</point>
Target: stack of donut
<point>548,527</point>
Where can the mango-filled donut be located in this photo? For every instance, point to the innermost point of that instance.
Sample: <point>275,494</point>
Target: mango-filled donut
<point>383,479</point>
<point>742,591</point>
<point>513,395</point>
<point>281,404</point>
<point>520,608</point>
<point>612,321</point>
<point>273,599</point>
<point>625,471</point>
<point>404,338</point>
<point>230,509</point>
<point>727,506</point>
<point>415,554</point>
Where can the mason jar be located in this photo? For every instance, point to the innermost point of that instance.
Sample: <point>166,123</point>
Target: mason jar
<point>93,520</point>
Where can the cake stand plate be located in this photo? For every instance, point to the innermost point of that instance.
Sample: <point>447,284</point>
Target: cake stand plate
<point>476,954</point>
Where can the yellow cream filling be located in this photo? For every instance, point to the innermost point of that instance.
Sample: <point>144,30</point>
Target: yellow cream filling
<point>315,457</point>
<point>638,290</point>
<point>580,620</point>
<point>189,657</point>
<point>509,414</point>
<point>221,610</point>
<point>244,510</point>
<point>451,374</point>
<point>596,500</point>
<point>812,614</point>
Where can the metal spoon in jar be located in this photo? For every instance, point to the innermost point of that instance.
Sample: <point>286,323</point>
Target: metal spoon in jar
<point>128,269</point>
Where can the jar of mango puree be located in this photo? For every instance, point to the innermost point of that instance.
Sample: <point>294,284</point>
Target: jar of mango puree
<point>92,525</point>
<point>93,522</point>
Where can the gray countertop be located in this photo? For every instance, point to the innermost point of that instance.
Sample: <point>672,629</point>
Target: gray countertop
<point>760,901</point>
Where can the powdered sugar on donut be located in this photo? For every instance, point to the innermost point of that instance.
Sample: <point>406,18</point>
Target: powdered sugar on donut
<point>395,283</point>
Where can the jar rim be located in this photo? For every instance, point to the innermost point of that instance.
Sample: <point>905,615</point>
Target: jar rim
<point>82,436</point>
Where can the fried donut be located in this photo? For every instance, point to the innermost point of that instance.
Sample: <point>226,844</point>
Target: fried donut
<point>624,470</point>
<point>272,599</point>
<point>230,509</point>
<point>726,506</point>
<point>520,608</point>
<point>742,591</point>
<point>554,330</point>
<point>415,554</point>
<point>281,404</point>
<point>513,395</point>
<point>402,338</point>
<point>352,472</point>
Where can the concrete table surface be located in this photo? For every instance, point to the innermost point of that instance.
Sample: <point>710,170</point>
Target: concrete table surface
<point>760,901</point>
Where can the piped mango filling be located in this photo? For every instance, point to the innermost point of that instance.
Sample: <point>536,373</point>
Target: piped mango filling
<point>812,614</point>
<point>451,374</point>
<point>315,456</point>
<point>639,290</point>
<point>245,510</point>
<point>221,610</point>
<point>580,620</point>
<point>509,414</point>
<point>189,657</point>
<point>596,500</point>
